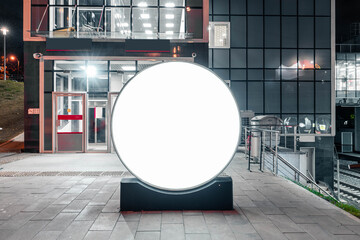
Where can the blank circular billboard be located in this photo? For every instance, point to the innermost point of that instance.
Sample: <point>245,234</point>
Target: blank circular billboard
<point>175,126</point>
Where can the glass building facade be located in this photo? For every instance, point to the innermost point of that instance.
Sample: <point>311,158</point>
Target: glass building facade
<point>279,60</point>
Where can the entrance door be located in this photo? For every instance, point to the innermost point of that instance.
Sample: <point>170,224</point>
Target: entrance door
<point>69,122</point>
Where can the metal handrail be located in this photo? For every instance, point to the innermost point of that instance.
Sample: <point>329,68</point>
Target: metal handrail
<point>300,173</point>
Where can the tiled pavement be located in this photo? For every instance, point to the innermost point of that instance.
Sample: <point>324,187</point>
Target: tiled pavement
<point>85,207</point>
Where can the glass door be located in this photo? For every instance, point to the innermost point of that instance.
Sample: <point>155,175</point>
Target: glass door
<point>97,125</point>
<point>69,126</point>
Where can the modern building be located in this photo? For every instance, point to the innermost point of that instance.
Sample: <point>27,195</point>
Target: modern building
<point>278,57</point>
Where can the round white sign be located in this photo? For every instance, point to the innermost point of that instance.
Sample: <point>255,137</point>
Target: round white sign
<point>175,126</point>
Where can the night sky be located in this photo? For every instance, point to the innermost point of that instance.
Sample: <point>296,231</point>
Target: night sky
<point>347,12</point>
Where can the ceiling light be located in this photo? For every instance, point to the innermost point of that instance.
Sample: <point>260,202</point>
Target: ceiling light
<point>142,4</point>
<point>91,71</point>
<point>169,16</point>
<point>169,32</point>
<point>128,68</point>
<point>169,25</point>
<point>147,25</point>
<point>148,32</point>
<point>170,5</point>
<point>145,16</point>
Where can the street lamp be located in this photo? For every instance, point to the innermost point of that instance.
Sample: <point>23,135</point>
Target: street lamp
<point>4,31</point>
<point>13,58</point>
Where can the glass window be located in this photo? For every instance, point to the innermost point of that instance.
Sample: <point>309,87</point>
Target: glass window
<point>221,7</point>
<point>221,58</point>
<point>221,18</point>
<point>323,7</point>
<point>306,32</point>
<point>272,97</point>
<point>238,58</point>
<point>306,97</point>
<point>323,75</point>
<point>142,3</point>
<point>323,97</point>
<point>238,7</point>
<point>323,124</point>
<point>322,58</point>
<point>289,58</point>
<point>62,18</point>
<point>89,20</point>
<point>306,7</point>
<point>272,74</point>
<point>306,59</point>
<point>145,23</point>
<point>255,74</point>
<point>238,31</point>
<point>117,2</point>
<point>323,32</point>
<point>272,58</point>
<point>210,58</point>
<point>238,74</point>
<point>306,75</point>
<point>123,66</point>
<point>289,97</point>
<point>288,74</point>
<point>289,32</point>
<point>306,123</point>
<point>91,2</point>
<point>177,31</point>
<point>289,7</point>
<point>239,91</point>
<point>117,22</point>
<point>255,7</point>
<point>222,73</point>
<point>255,31</point>
<point>98,82</point>
<point>255,97</point>
<point>272,31</point>
<point>255,58</point>
<point>272,7</point>
<point>69,65</point>
<point>172,3</point>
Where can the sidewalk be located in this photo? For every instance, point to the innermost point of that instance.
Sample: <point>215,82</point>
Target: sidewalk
<point>86,207</point>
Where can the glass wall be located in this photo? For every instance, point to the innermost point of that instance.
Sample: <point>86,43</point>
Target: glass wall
<point>139,19</point>
<point>279,60</point>
<point>347,78</point>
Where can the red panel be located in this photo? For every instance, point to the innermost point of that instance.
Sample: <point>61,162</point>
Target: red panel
<point>69,133</point>
<point>70,117</point>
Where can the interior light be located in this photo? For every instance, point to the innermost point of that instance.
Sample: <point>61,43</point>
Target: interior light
<point>152,114</point>
<point>148,32</point>
<point>145,16</point>
<point>91,71</point>
<point>128,68</point>
<point>169,25</point>
<point>147,25</point>
<point>170,5</point>
<point>169,16</point>
<point>169,32</point>
<point>142,4</point>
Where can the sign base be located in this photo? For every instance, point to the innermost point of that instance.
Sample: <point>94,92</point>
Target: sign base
<point>137,196</point>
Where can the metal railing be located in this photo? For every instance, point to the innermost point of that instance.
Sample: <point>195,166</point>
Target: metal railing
<point>262,147</point>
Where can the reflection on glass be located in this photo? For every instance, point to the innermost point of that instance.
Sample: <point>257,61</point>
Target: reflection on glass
<point>290,123</point>
<point>323,124</point>
<point>306,124</point>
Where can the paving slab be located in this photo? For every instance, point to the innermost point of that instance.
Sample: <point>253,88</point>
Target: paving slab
<point>87,207</point>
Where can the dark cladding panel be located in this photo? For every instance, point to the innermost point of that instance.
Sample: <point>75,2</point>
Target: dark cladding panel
<point>68,44</point>
<point>48,121</point>
<point>147,46</point>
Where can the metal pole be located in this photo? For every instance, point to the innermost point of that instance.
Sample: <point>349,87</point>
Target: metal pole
<point>4,56</point>
<point>276,151</point>
<point>295,131</point>
<point>338,178</point>
<point>263,151</point>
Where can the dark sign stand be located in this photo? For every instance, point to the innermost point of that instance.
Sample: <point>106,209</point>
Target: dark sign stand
<point>137,196</point>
